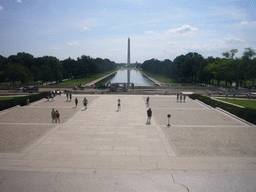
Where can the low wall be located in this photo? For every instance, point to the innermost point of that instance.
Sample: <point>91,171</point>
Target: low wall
<point>97,80</point>
<point>152,79</point>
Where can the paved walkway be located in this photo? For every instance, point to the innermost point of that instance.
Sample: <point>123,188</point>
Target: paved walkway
<point>101,140</point>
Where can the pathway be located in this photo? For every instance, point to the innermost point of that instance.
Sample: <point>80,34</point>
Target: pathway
<point>102,140</point>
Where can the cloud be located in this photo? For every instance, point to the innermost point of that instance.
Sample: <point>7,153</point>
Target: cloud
<point>171,43</point>
<point>85,29</point>
<point>150,32</point>
<point>247,23</point>
<point>1,8</point>
<point>232,39</point>
<point>55,48</point>
<point>19,1</point>
<point>73,43</point>
<point>184,47</point>
<point>181,30</point>
<point>214,46</point>
<point>228,13</point>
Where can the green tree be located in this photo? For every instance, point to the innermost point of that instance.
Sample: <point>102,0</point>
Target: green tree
<point>46,73</point>
<point>217,69</point>
<point>249,53</point>
<point>230,54</point>
<point>233,52</point>
<point>22,58</point>
<point>226,54</point>
<point>37,73</point>
<point>203,75</point>
<point>18,72</point>
<point>2,77</point>
<point>70,67</point>
<point>249,63</point>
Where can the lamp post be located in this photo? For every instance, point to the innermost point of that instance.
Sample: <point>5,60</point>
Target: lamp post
<point>169,117</point>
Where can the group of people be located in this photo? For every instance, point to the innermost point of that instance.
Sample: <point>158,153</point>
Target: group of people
<point>55,116</point>
<point>249,96</point>
<point>180,96</point>
<point>69,95</point>
<point>85,101</point>
<point>52,94</point>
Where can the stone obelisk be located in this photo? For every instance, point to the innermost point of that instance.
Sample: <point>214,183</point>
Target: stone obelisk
<point>128,62</point>
<point>128,56</point>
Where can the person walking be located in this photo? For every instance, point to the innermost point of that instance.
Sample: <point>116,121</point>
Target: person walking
<point>177,97</point>
<point>184,98</point>
<point>67,95</point>
<point>85,103</point>
<point>53,114</point>
<point>181,97</point>
<point>76,101</point>
<point>118,105</point>
<point>149,113</point>
<point>70,96</point>
<point>147,101</point>
<point>57,114</point>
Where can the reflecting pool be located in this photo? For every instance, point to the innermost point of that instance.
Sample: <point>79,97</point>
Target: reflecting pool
<point>135,77</point>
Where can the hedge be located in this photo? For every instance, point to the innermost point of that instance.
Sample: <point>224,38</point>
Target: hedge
<point>247,114</point>
<point>5,104</point>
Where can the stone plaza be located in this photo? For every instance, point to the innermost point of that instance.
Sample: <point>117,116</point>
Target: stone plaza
<point>102,149</point>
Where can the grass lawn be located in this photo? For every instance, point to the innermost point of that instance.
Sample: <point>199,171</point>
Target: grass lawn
<point>5,98</point>
<point>161,78</point>
<point>244,103</point>
<point>85,80</point>
<point>168,80</point>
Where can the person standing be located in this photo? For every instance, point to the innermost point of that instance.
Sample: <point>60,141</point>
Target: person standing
<point>70,96</point>
<point>177,97</point>
<point>181,97</point>
<point>118,105</point>
<point>52,95</point>
<point>67,95</point>
<point>184,98</point>
<point>76,101</point>
<point>149,113</point>
<point>27,102</point>
<point>57,114</point>
<point>48,96</point>
<point>53,114</point>
<point>85,102</point>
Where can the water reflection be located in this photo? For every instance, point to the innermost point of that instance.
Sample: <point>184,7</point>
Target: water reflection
<point>135,77</point>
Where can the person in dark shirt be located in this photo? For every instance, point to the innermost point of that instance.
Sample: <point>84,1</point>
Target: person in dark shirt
<point>149,112</point>
<point>57,116</point>
<point>76,101</point>
<point>118,105</point>
<point>85,103</point>
<point>147,101</point>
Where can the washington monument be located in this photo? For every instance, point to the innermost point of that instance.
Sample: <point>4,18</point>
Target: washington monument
<point>128,56</point>
<point>128,62</point>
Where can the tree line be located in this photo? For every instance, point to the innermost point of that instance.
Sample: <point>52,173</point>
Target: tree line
<point>25,68</point>
<point>193,67</point>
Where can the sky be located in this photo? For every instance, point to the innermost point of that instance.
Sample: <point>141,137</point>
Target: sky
<point>160,29</point>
